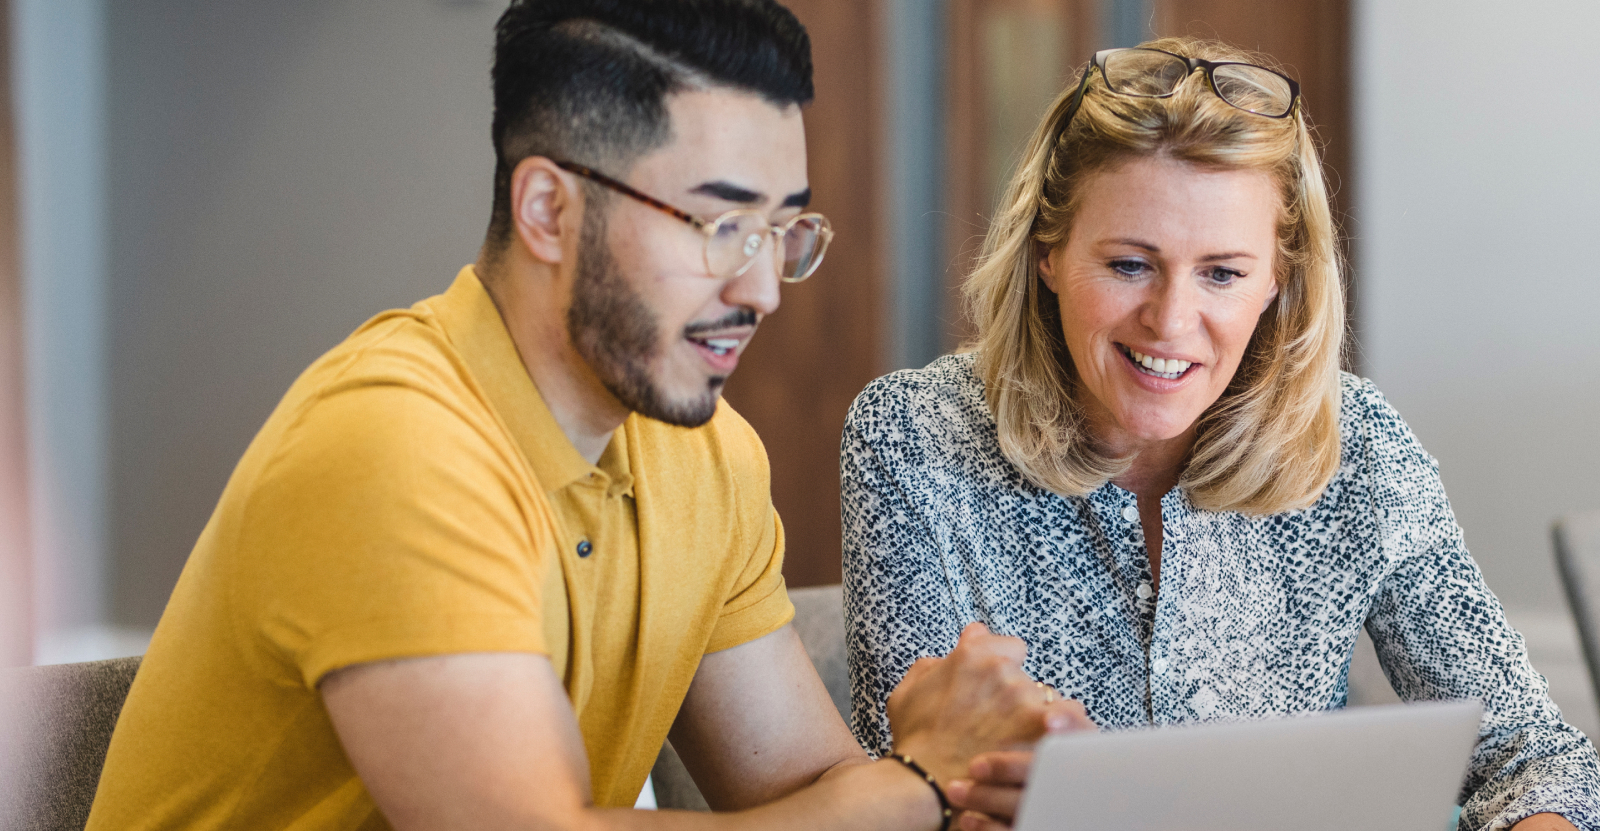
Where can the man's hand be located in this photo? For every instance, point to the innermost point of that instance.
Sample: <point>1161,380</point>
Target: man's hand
<point>977,699</point>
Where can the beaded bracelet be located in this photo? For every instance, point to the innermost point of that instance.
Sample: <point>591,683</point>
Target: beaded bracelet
<point>947,813</point>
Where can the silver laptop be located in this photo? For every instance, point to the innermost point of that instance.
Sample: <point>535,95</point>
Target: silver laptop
<point>1396,767</point>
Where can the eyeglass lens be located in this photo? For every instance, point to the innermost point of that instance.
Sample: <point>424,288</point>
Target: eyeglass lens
<point>737,239</point>
<point>1148,73</point>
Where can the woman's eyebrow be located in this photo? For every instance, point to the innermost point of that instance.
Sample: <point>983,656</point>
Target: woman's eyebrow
<point>1209,258</point>
<point>1137,243</point>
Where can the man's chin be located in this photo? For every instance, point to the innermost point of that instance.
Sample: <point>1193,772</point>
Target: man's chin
<point>685,413</point>
<point>689,410</point>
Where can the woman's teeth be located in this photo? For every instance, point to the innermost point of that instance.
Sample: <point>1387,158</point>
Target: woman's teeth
<point>1168,368</point>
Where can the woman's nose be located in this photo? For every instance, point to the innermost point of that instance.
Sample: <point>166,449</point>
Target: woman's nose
<point>1171,310</point>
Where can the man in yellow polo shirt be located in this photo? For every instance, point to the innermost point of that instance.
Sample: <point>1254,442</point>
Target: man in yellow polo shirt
<point>491,549</point>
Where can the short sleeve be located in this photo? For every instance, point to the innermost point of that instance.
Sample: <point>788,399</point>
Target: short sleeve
<point>760,603</point>
<point>393,523</point>
<point>757,602</point>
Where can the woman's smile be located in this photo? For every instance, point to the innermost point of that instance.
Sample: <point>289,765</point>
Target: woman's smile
<point>1167,369</point>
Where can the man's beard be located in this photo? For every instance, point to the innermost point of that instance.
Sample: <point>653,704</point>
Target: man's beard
<point>618,335</point>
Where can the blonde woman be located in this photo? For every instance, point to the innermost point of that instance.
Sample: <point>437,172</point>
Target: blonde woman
<point>1150,468</point>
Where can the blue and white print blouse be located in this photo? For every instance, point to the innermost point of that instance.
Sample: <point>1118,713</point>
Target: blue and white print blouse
<point>1256,615</point>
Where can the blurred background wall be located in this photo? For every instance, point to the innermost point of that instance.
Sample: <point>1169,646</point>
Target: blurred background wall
<point>212,194</point>
<point>1479,174</point>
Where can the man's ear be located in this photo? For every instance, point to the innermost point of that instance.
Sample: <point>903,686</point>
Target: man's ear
<point>544,200</point>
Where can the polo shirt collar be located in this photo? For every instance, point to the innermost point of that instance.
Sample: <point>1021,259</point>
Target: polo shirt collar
<point>474,326</point>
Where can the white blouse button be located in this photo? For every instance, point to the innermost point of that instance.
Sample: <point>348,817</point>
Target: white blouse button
<point>1130,513</point>
<point>1144,591</point>
<point>1159,666</point>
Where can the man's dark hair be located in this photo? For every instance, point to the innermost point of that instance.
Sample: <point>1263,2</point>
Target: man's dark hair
<point>587,80</point>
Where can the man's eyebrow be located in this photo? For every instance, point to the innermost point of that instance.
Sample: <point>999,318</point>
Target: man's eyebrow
<point>730,192</point>
<point>799,199</point>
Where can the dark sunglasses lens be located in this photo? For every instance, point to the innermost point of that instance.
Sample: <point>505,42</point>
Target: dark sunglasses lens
<point>1144,72</point>
<point>1252,88</point>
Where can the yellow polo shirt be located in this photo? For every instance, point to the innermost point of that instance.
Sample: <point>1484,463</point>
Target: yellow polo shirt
<point>412,495</point>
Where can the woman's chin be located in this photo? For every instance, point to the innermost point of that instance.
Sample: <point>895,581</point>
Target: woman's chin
<point>1144,429</point>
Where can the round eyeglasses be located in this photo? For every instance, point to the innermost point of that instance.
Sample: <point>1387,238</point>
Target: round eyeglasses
<point>734,240</point>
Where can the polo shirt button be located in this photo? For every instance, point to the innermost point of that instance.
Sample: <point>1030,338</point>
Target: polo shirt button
<point>1159,666</point>
<point>1144,591</point>
<point>1131,513</point>
<point>585,549</point>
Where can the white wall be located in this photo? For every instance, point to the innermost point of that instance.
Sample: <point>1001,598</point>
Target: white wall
<point>278,172</point>
<point>1479,188</point>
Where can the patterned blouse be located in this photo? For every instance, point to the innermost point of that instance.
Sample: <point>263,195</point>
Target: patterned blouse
<point>1256,616</point>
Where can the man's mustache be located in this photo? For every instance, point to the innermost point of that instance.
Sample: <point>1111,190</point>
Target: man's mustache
<point>744,316</point>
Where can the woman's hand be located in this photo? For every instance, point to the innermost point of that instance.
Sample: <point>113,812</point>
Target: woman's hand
<point>977,699</point>
<point>992,791</point>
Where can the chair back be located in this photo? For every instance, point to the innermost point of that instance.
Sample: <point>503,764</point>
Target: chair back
<point>55,726</point>
<point>819,620</point>
<point>1577,543</point>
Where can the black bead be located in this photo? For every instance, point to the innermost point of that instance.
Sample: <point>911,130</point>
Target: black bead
<point>585,549</point>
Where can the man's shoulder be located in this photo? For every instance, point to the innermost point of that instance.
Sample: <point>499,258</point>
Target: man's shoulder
<point>392,396</point>
<point>399,347</point>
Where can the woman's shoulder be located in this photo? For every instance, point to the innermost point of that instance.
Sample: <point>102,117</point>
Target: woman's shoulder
<point>949,386</point>
<point>1372,433</point>
<point>930,425</point>
<point>938,407</point>
<point>1363,407</point>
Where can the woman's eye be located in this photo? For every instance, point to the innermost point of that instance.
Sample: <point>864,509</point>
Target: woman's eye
<point>1129,268</point>
<point>1223,276</point>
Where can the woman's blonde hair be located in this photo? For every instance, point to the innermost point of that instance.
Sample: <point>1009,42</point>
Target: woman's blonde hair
<point>1271,441</point>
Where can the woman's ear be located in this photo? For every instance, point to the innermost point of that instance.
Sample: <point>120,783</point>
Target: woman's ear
<point>1046,257</point>
<point>542,200</point>
<point>1272,294</point>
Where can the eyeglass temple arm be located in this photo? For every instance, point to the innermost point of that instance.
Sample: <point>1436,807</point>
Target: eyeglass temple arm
<point>596,176</point>
<point>1077,95</point>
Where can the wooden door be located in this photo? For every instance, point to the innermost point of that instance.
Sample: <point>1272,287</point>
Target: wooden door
<point>828,339</point>
<point>1008,59</point>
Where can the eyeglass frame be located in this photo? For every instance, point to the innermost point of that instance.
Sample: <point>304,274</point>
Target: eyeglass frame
<point>708,228</point>
<point>1099,62</point>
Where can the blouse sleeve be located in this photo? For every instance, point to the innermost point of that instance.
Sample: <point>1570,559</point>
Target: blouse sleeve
<point>1441,634</point>
<point>898,606</point>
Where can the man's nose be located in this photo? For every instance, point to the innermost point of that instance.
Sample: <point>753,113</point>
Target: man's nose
<point>757,287</point>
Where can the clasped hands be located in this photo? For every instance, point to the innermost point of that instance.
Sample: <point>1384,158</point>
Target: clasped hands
<point>972,718</point>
